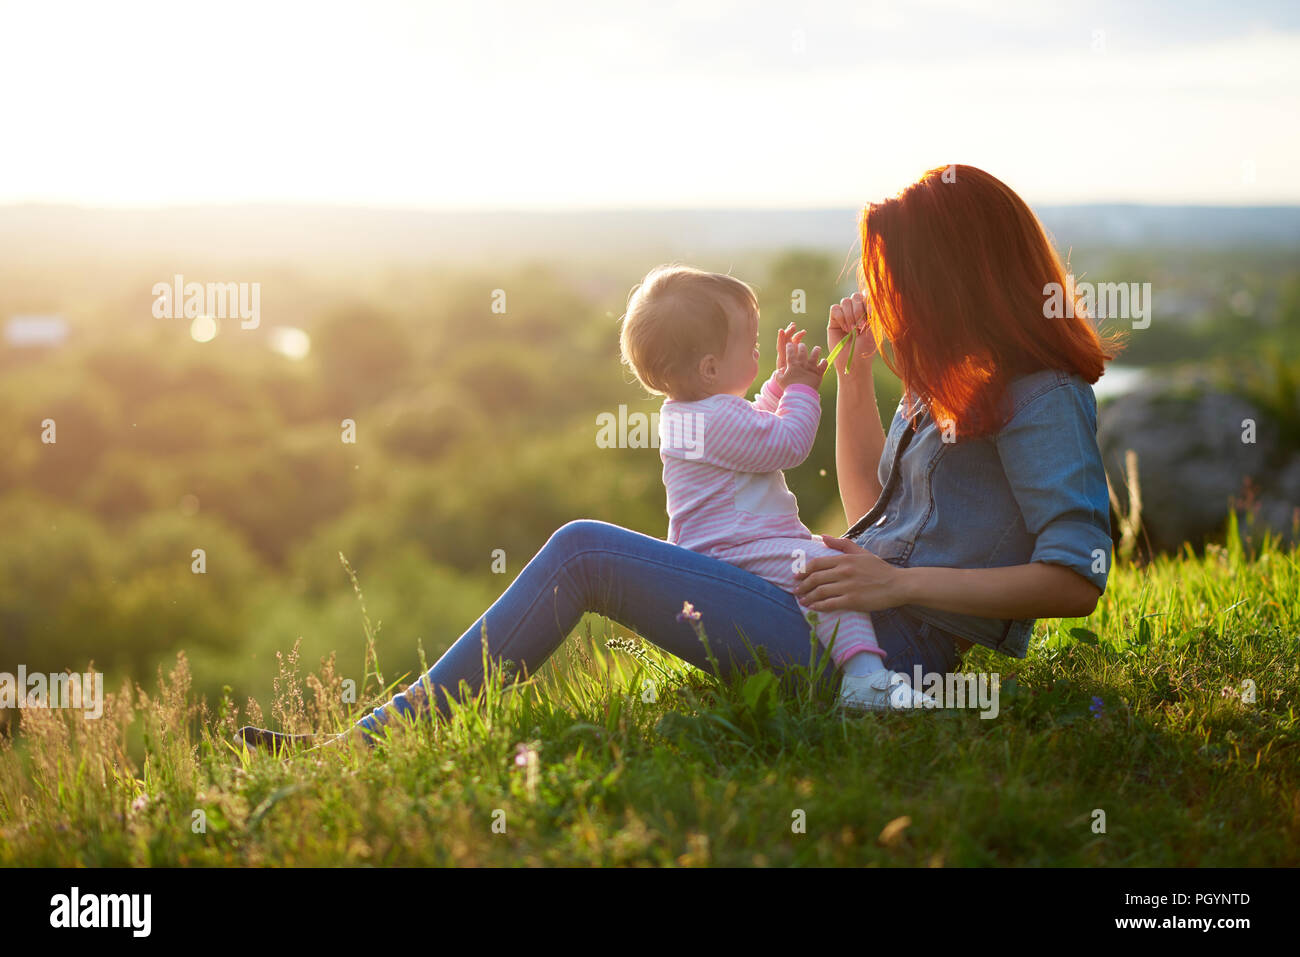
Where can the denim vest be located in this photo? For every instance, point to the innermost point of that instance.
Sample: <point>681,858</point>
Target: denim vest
<point>1035,491</point>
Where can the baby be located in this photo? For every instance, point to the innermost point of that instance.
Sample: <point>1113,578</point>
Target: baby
<point>692,337</point>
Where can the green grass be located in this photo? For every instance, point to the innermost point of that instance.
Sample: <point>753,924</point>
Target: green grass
<point>1186,772</point>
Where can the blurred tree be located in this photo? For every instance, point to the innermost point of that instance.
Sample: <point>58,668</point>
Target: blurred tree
<point>363,354</point>
<point>85,423</point>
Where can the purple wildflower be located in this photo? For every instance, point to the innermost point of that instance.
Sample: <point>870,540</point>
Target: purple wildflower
<point>688,613</point>
<point>1098,707</point>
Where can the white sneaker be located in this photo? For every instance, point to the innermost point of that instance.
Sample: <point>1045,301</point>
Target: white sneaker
<point>882,691</point>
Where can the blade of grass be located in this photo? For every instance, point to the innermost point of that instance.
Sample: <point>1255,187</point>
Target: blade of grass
<point>852,340</point>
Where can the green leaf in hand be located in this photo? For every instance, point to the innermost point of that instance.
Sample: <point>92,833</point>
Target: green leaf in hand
<point>852,340</point>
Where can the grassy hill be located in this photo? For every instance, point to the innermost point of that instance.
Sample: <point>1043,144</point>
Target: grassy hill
<point>1172,711</point>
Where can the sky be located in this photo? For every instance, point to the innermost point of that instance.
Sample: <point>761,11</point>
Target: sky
<point>644,103</point>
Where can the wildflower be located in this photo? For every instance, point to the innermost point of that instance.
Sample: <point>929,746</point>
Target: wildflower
<point>140,803</point>
<point>1098,707</point>
<point>526,758</point>
<point>692,617</point>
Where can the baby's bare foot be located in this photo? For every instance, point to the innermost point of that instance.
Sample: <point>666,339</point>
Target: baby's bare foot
<point>354,737</point>
<point>274,741</point>
<point>277,742</point>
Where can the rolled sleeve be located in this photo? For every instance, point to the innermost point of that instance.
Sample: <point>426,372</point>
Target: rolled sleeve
<point>741,438</point>
<point>1050,455</point>
<point>769,396</point>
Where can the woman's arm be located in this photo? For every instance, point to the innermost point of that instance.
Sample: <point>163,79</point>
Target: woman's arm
<point>859,581</point>
<point>859,438</point>
<point>1036,590</point>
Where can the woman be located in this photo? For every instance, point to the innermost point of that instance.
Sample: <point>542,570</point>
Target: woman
<point>984,507</point>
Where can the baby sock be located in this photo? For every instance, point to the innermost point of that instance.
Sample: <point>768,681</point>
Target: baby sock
<point>863,663</point>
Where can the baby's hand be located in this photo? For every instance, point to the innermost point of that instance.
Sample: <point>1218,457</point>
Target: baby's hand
<point>783,337</point>
<point>801,366</point>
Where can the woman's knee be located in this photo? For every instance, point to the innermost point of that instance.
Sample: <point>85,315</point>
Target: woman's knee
<point>910,643</point>
<point>583,534</point>
<point>938,650</point>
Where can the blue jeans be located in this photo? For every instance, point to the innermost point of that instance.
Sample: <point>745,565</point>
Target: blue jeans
<point>641,583</point>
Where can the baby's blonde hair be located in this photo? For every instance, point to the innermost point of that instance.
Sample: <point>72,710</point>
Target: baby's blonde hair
<point>676,316</point>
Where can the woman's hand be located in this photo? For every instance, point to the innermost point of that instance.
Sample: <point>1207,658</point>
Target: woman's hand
<point>850,313</point>
<point>854,581</point>
<point>783,338</point>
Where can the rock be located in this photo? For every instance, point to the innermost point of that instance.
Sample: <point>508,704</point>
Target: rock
<point>1195,458</point>
<point>1280,508</point>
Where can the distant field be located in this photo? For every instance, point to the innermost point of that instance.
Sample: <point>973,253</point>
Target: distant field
<point>308,233</point>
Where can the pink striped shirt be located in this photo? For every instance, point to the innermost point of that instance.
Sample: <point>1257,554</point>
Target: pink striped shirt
<point>723,458</point>
<point>727,496</point>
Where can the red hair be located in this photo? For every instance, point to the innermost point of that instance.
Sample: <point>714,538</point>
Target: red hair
<point>956,268</point>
